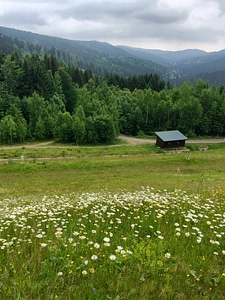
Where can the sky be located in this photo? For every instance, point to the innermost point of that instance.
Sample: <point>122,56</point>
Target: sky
<point>151,24</point>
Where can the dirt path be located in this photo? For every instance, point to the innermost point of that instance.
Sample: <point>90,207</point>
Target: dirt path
<point>135,141</point>
<point>33,145</point>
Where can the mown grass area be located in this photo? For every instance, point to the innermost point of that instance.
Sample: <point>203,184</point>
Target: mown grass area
<point>120,167</point>
<point>120,222</point>
<point>55,150</point>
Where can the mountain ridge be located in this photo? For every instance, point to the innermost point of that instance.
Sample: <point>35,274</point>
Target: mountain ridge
<point>92,54</point>
<point>165,55</point>
<point>102,57</point>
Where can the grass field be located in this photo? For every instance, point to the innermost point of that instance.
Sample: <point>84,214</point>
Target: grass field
<point>118,222</point>
<point>57,170</point>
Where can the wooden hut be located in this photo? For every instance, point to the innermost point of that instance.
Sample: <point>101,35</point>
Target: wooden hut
<point>170,139</point>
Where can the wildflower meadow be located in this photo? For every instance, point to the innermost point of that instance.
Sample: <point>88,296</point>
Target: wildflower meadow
<point>145,244</point>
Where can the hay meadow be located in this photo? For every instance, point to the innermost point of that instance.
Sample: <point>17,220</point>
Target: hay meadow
<point>112,222</point>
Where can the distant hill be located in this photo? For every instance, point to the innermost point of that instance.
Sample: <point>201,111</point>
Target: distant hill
<point>101,58</point>
<point>97,56</point>
<point>187,64</point>
<point>8,45</point>
<point>166,58</point>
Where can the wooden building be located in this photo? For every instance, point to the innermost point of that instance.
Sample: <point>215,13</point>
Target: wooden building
<point>170,139</point>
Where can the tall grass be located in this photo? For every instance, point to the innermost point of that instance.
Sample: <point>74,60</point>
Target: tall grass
<point>142,245</point>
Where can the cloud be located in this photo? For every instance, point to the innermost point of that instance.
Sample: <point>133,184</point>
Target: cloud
<point>23,19</point>
<point>170,24</point>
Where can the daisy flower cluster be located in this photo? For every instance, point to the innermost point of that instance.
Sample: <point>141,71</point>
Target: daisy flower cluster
<point>85,235</point>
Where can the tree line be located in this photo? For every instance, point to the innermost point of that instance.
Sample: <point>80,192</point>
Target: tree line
<point>41,98</point>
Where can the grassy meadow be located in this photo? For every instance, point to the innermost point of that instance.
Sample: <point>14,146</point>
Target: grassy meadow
<point>116,222</point>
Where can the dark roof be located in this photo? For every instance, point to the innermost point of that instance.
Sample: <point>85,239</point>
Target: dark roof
<point>172,135</point>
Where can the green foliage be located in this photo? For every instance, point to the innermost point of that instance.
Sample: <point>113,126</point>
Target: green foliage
<point>37,116</point>
<point>63,129</point>
<point>79,130</point>
<point>36,91</point>
<point>7,129</point>
<point>141,82</point>
<point>12,73</point>
<point>68,89</point>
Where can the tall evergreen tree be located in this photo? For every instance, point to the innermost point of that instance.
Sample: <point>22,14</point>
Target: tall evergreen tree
<point>11,74</point>
<point>69,90</point>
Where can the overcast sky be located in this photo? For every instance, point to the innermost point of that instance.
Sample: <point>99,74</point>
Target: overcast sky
<point>152,24</point>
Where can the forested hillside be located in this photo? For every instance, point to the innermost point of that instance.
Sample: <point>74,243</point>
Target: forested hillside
<point>42,98</point>
<point>189,64</point>
<point>97,56</point>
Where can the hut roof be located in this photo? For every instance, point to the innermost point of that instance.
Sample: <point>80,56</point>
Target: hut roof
<point>171,135</point>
